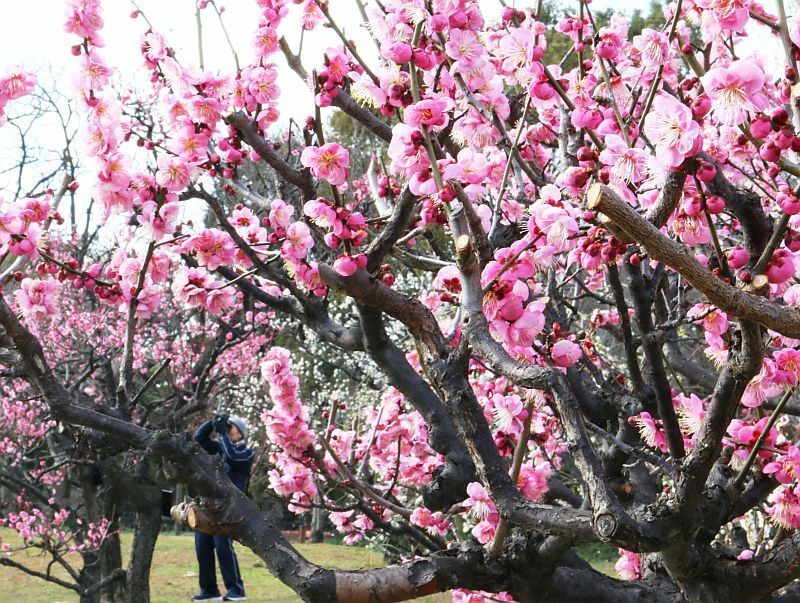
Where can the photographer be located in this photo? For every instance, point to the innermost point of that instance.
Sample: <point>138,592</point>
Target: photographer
<point>237,456</point>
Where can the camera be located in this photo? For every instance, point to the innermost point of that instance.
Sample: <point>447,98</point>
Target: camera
<point>220,422</point>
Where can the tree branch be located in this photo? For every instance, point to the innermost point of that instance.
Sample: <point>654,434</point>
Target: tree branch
<point>783,319</point>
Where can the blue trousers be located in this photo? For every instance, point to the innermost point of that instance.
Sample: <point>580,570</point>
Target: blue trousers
<point>204,546</point>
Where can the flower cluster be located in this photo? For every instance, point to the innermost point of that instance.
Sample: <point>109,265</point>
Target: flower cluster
<point>196,288</point>
<point>400,449</point>
<point>21,225</point>
<point>286,424</point>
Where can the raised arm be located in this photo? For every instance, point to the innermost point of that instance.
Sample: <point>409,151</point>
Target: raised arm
<point>203,437</point>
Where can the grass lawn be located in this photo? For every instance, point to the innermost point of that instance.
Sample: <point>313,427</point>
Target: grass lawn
<point>174,572</point>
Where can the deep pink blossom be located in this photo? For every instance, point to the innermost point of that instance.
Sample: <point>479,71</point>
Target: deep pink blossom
<point>781,266</point>
<point>651,430</point>
<point>430,112</point>
<point>15,84</point>
<point>213,248</point>
<point>565,353</point>
<point>298,241</point>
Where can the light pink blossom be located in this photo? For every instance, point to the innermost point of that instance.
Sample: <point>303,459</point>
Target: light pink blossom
<point>629,565</point>
<point>329,162</point>
<point>736,91</point>
<point>671,128</point>
<point>35,297</point>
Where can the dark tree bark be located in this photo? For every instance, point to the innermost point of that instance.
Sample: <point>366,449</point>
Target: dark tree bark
<point>137,579</point>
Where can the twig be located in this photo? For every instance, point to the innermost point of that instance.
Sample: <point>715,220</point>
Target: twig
<point>772,244</point>
<point>504,527</point>
<point>645,455</point>
<point>199,21</point>
<point>235,280</point>
<point>150,381</point>
<point>657,79</point>
<point>763,436</point>
<point>507,170</point>
<point>126,372</point>
<point>350,47</point>
<point>363,468</point>
<point>227,36</point>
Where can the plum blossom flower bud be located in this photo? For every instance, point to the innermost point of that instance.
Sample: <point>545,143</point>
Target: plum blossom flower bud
<point>781,267</point>
<point>715,204</point>
<point>761,126</point>
<point>701,106</point>
<point>770,152</point>
<point>706,171</point>
<point>399,52</point>
<point>565,353</point>
<point>789,203</point>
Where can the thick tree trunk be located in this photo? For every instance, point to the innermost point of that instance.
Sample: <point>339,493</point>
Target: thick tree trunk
<point>148,526</point>
<point>143,491</point>
<point>108,559</point>
<point>111,553</point>
<point>89,575</point>
<point>111,561</point>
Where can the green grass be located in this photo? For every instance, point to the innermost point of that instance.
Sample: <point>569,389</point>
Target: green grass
<point>174,572</point>
<point>602,557</point>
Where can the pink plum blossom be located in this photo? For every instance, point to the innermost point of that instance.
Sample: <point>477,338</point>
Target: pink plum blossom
<point>629,565</point>
<point>671,128</point>
<point>478,501</point>
<point>786,467</point>
<point>173,173</point>
<point>429,112</point>
<point>736,91</point>
<point>626,163</point>
<point>565,353</point>
<point>653,46</point>
<point>35,297</point>
<point>651,430</point>
<point>329,162</point>
<point>785,507</point>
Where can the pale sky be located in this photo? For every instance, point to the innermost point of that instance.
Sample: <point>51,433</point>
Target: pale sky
<point>32,34</point>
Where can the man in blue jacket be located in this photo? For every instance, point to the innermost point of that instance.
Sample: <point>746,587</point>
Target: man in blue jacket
<point>237,456</point>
